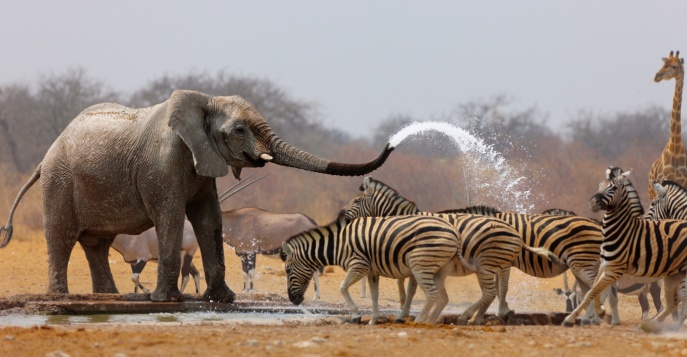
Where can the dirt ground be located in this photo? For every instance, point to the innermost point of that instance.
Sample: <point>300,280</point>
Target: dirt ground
<point>24,267</point>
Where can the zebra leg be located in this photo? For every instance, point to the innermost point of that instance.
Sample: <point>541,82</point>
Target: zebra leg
<point>425,280</point>
<point>475,313</point>
<point>410,294</point>
<point>442,296</point>
<point>352,276</point>
<point>401,291</point>
<point>671,284</point>
<point>613,301</point>
<point>374,296</point>
<point>363,286</point>
<point>644,301</point>
<point>585,280</point>
<point>316,280</point>
<point>603,281</point>
<point>655,292</point>
<point>502,283</point>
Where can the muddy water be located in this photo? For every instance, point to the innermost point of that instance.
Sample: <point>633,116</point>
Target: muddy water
<point>26,320</point>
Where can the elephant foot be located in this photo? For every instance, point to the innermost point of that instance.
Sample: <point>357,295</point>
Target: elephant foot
<point>167,295</point>
<point>219,294</point>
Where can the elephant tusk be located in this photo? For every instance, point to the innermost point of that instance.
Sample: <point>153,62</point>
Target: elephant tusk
<point>266,157</point>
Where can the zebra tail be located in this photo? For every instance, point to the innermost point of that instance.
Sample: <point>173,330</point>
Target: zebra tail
<point>541,251</point>
<point>465,263</point>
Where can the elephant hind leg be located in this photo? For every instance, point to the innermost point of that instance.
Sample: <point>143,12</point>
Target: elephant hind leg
<point>60,245</point>
<point>97,250</point>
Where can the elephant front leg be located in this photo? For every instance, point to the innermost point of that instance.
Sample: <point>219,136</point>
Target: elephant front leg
<point>169,232</point>
<point>205,216</point>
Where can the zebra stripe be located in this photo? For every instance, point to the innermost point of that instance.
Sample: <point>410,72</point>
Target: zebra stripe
<point>489,246</point>
<point>670,201</point>
<point>626,285</point>
<point>575,241</point>
<point>636,246</point>
<point>393,247</point>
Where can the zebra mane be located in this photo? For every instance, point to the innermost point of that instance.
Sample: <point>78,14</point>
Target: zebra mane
<point>481,210</point>
<point>677,186</point>
<point>331,226</point>
<point>388,192</point>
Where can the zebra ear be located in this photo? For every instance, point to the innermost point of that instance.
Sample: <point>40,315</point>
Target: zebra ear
<point>660,189</point>
<point>286,250</point>
<point>366,183</point>
<point>626,173</point>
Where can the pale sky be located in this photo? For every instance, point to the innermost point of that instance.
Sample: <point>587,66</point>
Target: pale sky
<point>361,61</point>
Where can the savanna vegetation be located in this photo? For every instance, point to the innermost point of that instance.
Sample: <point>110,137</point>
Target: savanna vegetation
<point>554,167</point>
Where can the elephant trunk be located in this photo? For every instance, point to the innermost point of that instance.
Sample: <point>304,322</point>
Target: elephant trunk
<point>287,155</point>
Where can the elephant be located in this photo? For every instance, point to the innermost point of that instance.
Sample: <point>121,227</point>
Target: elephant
<point>119,170</point>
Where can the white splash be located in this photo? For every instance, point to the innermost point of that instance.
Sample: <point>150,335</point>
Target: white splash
<point>502,185</point>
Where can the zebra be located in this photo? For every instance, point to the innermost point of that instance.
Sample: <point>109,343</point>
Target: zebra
<point>634,245</point>
<point>626,285</point>
<point>488,244</point>
<point>670,201</point>
<point>574,241</point>
<point>394,247</point>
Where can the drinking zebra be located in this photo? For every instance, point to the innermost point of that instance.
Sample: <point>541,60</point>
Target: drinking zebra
<point>634,245</point>
<point>393,247</point>
<point>626,285</point>
<point>489,245</point>
<point>574,241</point>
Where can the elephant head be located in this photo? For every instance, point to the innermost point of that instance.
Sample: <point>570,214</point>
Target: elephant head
<point>223,131</point>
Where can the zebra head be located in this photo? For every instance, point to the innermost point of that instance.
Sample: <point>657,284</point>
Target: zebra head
<point>298,273</point>
<point>377,199</point>
<point>670,201</point>
<point>607,197</point>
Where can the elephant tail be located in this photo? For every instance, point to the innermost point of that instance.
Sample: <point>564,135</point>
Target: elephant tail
<point>6,231</point>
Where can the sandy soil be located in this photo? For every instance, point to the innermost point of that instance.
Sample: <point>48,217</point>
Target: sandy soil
<point>24,266</point>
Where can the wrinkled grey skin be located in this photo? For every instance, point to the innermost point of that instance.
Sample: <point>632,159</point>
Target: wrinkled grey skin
<point>121,170</point>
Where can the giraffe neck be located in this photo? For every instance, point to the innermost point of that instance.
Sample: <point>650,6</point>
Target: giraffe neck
<point>675,140</point>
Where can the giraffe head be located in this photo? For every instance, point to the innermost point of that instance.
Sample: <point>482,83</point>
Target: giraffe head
<point>672,67</point>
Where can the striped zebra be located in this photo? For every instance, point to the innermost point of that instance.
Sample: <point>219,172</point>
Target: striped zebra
<point>489,246</point>
<point>670,201</point>
<point>574,241</point>
<point>393,247</point>
<point>634,245</point>
<point>626,285</point>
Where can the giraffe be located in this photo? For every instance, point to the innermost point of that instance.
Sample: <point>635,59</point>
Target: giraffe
<point>672,164</point>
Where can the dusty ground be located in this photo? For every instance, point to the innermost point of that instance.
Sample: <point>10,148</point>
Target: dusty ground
<point>24,267</point>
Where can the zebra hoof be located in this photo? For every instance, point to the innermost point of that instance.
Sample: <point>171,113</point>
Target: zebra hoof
<point>585,322</point>
<point>567,324</point>
<point>400,321</point>
<point>355,320</point>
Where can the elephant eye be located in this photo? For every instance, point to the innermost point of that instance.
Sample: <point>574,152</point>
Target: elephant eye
<point>240,130</point>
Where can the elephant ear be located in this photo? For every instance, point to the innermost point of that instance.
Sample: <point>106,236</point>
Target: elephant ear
<point>186,116</point>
